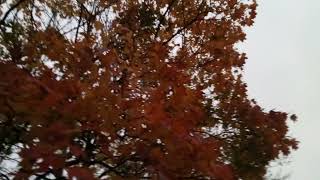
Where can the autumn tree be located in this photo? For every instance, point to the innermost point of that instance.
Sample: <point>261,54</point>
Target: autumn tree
<point>131,89</point>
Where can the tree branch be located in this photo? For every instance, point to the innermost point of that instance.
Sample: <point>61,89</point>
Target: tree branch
<point>181,29</point>
<point>196,18</point>
<point>4,176</point>
<point>79,24</point>
<point>162,18</point>
<point>2,21</point>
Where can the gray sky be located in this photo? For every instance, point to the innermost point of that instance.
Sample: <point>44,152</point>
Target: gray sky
<point>283,73</point>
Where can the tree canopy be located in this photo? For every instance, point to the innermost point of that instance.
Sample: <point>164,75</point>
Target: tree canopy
<point>131,89</point>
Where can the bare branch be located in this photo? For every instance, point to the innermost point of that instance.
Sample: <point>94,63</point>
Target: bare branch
<point>79,24</point>
<point>2,21</point>
<point>193,20</point>
<point>162,18</point>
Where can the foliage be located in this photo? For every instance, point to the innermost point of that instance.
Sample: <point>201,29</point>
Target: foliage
<point>99,89</point>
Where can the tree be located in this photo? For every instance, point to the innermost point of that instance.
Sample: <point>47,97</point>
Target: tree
<point>99,89</point>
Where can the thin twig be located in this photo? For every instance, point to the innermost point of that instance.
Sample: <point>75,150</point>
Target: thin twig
<point>162,18</point>
<point>2,21</point>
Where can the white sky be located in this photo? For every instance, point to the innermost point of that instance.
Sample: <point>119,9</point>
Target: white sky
<point>283,73</point>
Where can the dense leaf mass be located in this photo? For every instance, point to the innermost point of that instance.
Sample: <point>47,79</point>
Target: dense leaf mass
<point>131,89</point>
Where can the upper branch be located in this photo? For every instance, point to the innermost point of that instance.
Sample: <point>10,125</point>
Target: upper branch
<point>2,21</point>
<point>162,18</point>
<point>188,24</point>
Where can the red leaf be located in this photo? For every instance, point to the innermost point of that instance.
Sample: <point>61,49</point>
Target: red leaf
<point>81,173</point>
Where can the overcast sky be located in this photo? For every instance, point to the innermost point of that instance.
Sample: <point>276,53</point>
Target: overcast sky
<point>283,73</point>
